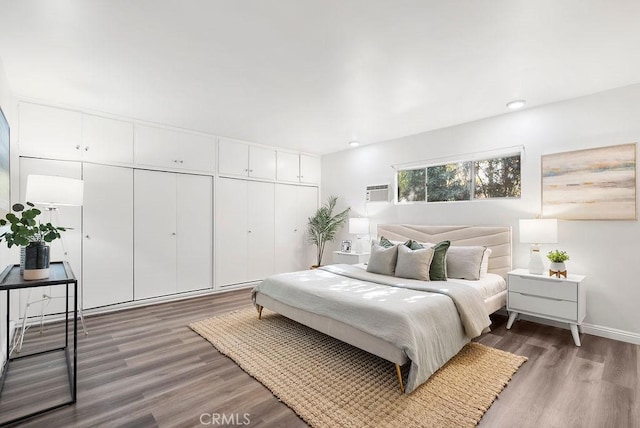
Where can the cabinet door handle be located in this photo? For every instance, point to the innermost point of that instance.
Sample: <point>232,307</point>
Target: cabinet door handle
<point>78,147</point>
<point>173,234</point>
<point>295,230</point>
<point>87,236</point>
<point>249,231</point>
<point>250,170</point>
<point>181,161</point>
<point>86,149</point>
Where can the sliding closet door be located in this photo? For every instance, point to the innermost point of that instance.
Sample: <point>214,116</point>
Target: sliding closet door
<point>107,250</point>
<point>260,225</point>
<point>231,231</point>
<point>155,233</point>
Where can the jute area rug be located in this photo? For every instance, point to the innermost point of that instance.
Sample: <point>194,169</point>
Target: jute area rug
<point>329,383</point>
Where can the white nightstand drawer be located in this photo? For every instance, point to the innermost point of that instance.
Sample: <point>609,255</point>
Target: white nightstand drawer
<point>544,287</point>
<point>544,306</point>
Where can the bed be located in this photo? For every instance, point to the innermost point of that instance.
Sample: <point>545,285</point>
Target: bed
<point>400,320</point>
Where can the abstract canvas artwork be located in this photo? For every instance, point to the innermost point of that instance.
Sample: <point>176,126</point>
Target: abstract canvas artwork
<point>591,184</point>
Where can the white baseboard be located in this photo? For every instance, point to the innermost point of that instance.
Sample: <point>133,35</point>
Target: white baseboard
<point>596,330</point>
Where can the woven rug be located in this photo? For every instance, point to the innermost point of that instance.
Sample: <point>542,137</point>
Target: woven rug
<point>329,383</point>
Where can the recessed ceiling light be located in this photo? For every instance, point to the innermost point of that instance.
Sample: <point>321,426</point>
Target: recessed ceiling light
<point>516,104</point>
<point>354,143</point>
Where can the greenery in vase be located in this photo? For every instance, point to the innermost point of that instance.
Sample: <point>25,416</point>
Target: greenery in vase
<point>324,225</point>
<point>558,256</point>
<point>26,229</point>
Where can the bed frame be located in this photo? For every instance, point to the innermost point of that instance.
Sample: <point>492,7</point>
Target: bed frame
<point>498,238</point>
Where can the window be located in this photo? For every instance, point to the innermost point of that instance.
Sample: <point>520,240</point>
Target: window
<point>461,181</point>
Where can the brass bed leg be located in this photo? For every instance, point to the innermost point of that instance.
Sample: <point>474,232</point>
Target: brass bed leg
<point>399,372</point>
<point>259,312</point>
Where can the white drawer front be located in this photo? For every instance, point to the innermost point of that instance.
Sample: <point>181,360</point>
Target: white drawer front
<point>543,306</point>
<point>544,287</point>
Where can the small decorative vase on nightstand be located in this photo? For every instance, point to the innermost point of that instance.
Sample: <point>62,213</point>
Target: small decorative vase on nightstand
<point>557,269</point>
<point>36,263</point>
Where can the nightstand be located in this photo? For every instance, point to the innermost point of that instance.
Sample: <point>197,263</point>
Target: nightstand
<point>350,258</point>
<point>558,299</point>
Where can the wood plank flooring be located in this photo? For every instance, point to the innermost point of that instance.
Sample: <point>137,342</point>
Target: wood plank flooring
<point>145,368</point>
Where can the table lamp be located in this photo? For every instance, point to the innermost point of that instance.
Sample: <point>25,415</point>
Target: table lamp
<point>535,232</point>
<point>359,226</point>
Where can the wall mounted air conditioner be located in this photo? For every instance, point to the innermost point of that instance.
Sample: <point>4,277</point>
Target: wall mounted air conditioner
<point>378,193</point>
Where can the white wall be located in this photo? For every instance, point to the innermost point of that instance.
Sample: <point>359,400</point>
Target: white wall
<point>605,251</point>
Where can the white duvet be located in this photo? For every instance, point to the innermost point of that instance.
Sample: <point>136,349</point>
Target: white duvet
<point>429,321</point>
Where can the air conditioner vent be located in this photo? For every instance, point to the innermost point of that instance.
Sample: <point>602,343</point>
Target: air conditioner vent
<point>378,193</point>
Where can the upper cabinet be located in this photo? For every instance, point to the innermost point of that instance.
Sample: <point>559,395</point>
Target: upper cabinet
<point>53,133</point>
<point>296,168</point>
<point>167,148</point>
<point>242,159</point>
<point>49,132</point>
<point>106,140</point>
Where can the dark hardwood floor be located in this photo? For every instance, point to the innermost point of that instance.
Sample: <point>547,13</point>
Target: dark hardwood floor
<point>145,367</point>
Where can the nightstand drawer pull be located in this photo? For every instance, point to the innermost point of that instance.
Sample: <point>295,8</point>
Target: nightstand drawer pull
<point>535,305</point>
<point>542,297</point>
<point>543,287</point>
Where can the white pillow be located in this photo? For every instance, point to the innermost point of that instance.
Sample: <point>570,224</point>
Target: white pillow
<point>484,266</point>
<point>465,262</point>
<point>382,260</point>
<point>414,264</point>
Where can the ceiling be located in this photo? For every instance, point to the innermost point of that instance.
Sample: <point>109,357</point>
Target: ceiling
<point>311,75</point>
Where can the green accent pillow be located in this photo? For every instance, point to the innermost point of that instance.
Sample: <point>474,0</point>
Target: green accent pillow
<point>384,242</point>
<point>438,270</point>
<point>414,245</point>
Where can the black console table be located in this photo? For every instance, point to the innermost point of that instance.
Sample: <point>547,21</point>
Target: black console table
<point>60,274</point>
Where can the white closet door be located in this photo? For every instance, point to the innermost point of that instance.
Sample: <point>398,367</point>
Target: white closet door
<point>233,158</point>
<point>309,169</point>
<point>231,231</point>
<point>70,246</point>
<point>287,232</point>
<point>194,232</point>
<point>262,163</point>
<point>261,217</point>
<point>307,206</point>
<point>49,132</point>
<point>154,233</point>
<point>288,167</point>
<point>107,249</point>
<point>106,140</point>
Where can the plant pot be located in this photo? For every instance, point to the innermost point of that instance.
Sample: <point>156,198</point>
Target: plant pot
<point>557,268</point>
<point>36,261</point>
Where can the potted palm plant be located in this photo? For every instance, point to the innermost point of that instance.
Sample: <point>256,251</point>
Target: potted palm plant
<point>32,236</point>
<point>323,226</point>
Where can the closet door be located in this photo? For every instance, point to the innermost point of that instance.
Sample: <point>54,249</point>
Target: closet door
<point>107,250</point>
<point>106,140</point>
<point>70,246</point>
<point>288,167</point>
<point>50,132</point>
<point>231,231</point>
<point>287,232</point>
<point>262,163</point>
<point>155,233</point>
<point>233,158</point>
<point>260,242</point>
<point>194,232</point>
<point>307,206</point>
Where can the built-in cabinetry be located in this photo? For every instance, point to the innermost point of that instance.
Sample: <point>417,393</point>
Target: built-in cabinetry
<point>173,233</point>
<point>244,160</point>
<point>167,148</point>
<point>244,231</point>
<point>107,231</point>
<point>298,168</point>
<point>148,205</point>
<point>52,133</point>
<point>293,206</point>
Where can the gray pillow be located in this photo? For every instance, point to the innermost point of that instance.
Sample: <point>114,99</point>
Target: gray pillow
<point>382,260</point>
<point>414,264</point>
<point>465,262</point>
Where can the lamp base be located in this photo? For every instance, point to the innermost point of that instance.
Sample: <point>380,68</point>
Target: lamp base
<point>536,266</point>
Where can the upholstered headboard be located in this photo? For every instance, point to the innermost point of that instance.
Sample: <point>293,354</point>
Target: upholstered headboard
<point>498,238</point>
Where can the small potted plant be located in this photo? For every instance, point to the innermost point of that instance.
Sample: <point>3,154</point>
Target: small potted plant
<point>322,227</point>
<point>27,232</point>
<point>557,259</point>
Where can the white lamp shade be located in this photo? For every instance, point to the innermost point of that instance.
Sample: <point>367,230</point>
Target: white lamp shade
<point>359,226</point>
<point>539,231</point>
<point>53,190</point>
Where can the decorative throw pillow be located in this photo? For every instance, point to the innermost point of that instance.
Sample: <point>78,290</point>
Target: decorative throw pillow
<point>438,270</point>
<point>414,245</point>
<point>414,264</point>
<point>384,242</point>
<point>465,262</point>
<point>484,266</point>
<point>382,260</point>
